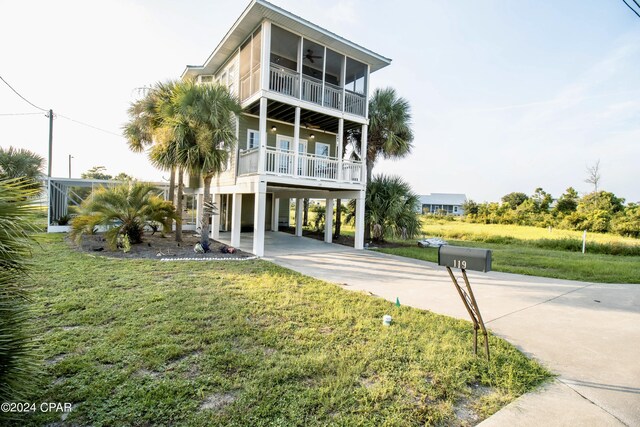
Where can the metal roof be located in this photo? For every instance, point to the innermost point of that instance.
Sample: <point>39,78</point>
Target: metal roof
<point>443,199</point>
<point>259,10</point>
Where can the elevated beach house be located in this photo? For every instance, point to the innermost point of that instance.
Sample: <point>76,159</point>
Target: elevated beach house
<point>302,89</point>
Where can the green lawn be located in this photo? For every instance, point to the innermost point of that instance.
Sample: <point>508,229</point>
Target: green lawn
<point>533,261</point>
<point>469,231</point>
<point>249,343</point>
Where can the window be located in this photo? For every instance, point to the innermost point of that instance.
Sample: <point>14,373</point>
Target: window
<point>253,139</point>
<point>322,149</point>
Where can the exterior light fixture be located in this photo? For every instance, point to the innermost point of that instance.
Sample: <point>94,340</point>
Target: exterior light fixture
<point>312,136</point>
<point>273,128</point>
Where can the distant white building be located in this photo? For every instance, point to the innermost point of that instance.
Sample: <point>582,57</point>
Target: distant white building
<point>442,203</point>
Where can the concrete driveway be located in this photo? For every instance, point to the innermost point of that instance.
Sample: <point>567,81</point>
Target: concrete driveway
<point>588,334</point>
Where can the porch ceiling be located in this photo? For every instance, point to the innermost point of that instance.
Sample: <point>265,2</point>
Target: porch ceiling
<point>277,110</point>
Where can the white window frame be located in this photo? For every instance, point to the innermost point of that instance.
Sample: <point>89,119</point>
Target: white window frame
<point>323,144</point>
<point>256,138</point>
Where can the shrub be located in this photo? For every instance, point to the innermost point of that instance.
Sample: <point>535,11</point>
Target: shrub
<point>16,219</point>
<point>124,209</point>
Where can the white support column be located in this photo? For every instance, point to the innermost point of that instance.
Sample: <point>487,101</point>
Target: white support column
<point>299,206</point>
<point>215,222</point>
<point>328,221</point>
<point>258,219</point>
<point>265,57</point>
<point>363,153</point>
<point>300,59</point>
<point>262,157</point>
<point>236,216</point>
<point>339,141</point>
<point>343,79</point>
<point>359,237</point>
<point>366,92</point>
<point>275,212</point>
<point>296,142</point>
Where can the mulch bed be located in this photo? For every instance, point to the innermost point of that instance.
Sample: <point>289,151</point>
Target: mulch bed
<point>158,247</point>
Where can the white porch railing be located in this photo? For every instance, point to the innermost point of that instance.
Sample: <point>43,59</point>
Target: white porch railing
<point>287,82</point>
<point>283,80</point>
<point>332,96</point>
<point>312,90</point>
<point>280,162</point>
<point>354,103</point>
<point>248,161</point>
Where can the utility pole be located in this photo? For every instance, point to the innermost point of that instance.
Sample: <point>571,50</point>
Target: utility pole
<point>50,140</point>
<point>70,157</point>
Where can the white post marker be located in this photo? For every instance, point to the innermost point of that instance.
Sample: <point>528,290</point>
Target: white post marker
<point>584,240</point>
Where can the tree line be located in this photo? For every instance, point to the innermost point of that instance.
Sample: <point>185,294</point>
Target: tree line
<point>599,211</point>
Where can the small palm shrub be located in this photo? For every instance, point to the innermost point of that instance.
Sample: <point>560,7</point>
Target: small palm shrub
<point>124,209</point>
<point>16,222</point>
<point>390,208</point>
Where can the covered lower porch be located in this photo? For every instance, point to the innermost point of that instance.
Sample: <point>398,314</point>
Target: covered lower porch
<point>278,243</point>
<point>249,216</point>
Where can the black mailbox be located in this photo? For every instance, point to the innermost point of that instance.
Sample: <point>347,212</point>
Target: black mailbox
<point>465,258</point>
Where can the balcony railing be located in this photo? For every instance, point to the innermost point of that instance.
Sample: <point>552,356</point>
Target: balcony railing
<point>354,103</point>
<point>280,162</point>
<point>287,82</point>
<point>283,80</point>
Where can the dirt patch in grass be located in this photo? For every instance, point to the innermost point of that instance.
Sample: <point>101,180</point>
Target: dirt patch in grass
<point>217,401</point>
<point>155,246</point>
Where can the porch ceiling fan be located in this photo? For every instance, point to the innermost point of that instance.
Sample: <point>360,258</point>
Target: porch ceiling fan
<point>310,126</point>
<point>310,56</point>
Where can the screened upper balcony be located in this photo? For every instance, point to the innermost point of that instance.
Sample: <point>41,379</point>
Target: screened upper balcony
<point>305,70</point>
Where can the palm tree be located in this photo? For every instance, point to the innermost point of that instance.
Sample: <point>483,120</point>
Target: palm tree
<point>126,209</point>
<point>389,132</point>
<point>148,127</point>
<point>204,128</point>
<point>390,206</point>
<point>16,221</point>
<point>21,163</point>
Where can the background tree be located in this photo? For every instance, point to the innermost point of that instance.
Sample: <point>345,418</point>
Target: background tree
<point>515,199</point>
<point>593,175</point>
<point>96,172</point>
<point>123,177</point>
<point>567,202</point>
<point>21,163</point>
<point>541,200</point>
<point>470,207</point>
<point>16,223</point>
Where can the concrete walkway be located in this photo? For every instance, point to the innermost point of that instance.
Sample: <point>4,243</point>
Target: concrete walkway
<point>588,334</point>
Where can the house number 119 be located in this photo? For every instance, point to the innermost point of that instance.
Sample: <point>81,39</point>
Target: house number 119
<point>459,264</point>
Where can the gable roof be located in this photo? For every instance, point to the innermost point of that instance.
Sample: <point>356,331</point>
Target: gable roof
<point>259,10</point>
<point>443,199</point>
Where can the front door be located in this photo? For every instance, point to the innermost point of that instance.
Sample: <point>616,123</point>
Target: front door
<point>284,156</point>
<point>302,157</point>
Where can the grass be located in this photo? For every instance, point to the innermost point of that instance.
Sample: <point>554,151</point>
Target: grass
<point>534,261</point>
<point>469,231</point>
<point>249,343</point>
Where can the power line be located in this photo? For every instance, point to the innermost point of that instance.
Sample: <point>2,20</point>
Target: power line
<point>629,6</point>
<point>25,99</point>
<point>47,111</point>
<point>88,125</point>
<point>19,114</point>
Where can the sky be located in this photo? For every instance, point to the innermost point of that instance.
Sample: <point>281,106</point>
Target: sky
<point>505,95</point>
